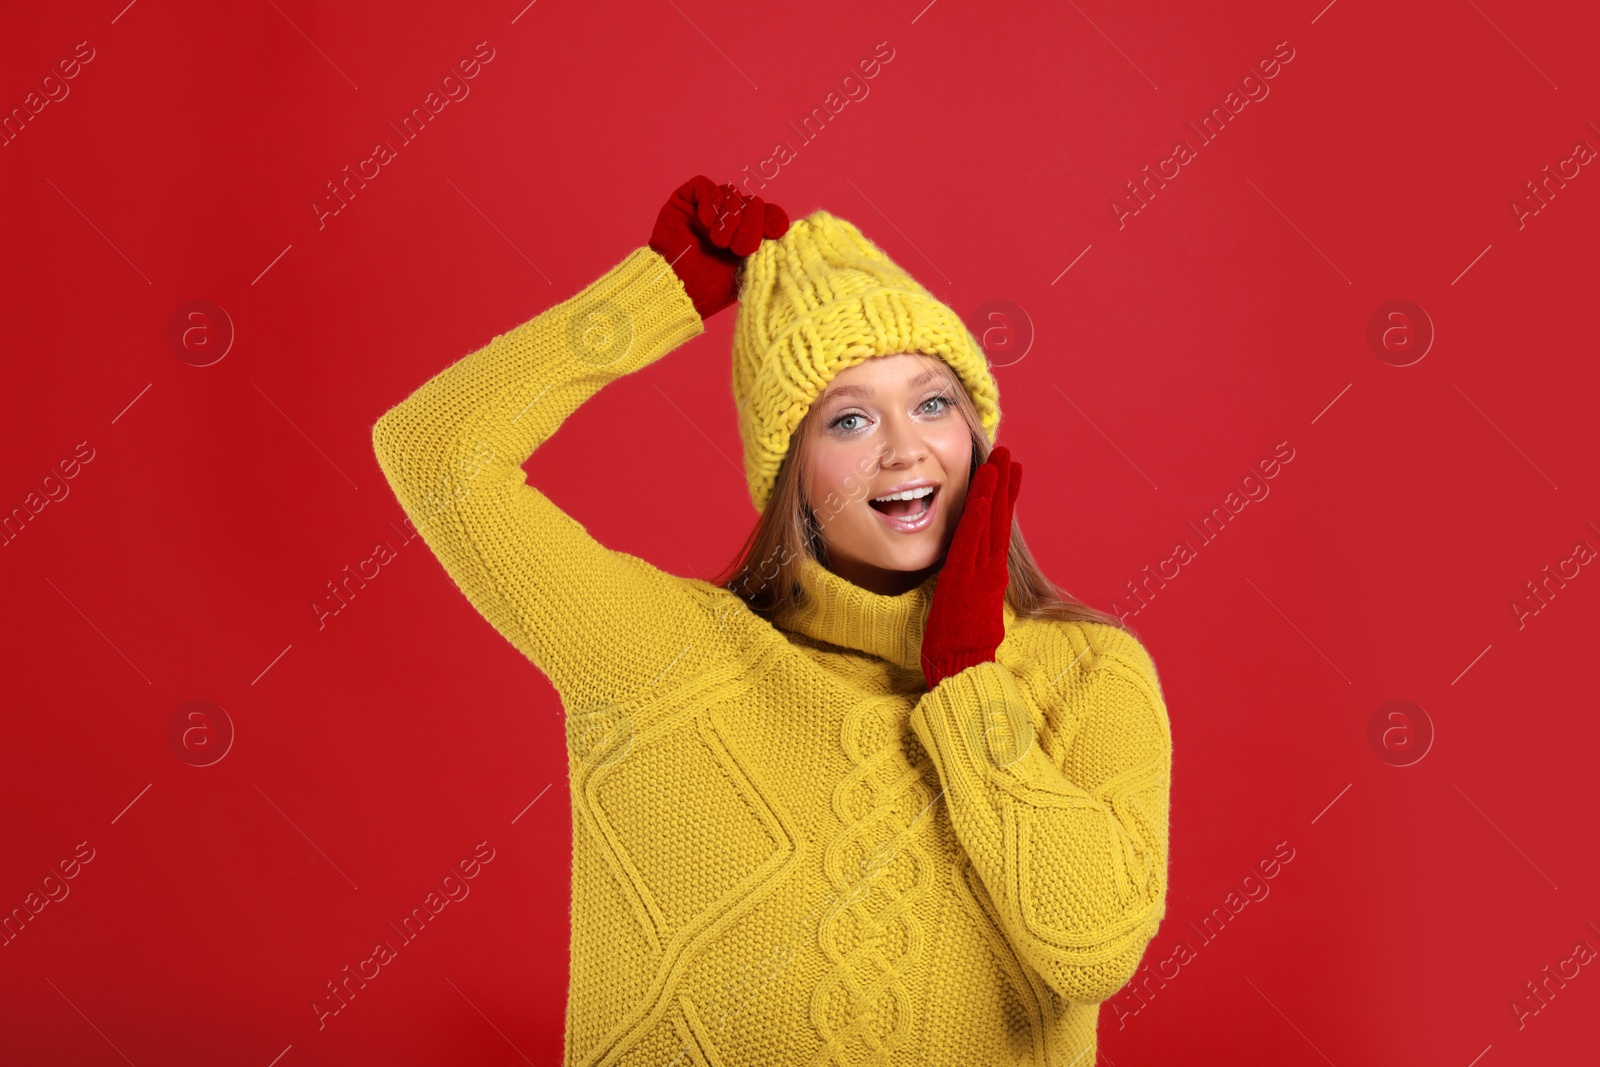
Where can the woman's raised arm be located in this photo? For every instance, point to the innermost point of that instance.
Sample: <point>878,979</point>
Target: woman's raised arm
<point>597,622</point>
<point>602,625</point>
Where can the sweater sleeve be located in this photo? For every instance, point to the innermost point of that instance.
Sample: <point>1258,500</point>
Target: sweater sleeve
<point>1058,791</point>
<point>598,623</point>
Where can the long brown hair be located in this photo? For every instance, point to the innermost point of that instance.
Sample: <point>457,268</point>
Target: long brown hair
<point>765,574</point>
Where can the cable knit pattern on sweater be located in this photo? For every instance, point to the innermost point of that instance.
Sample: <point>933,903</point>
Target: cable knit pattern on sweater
<point>785,848</point>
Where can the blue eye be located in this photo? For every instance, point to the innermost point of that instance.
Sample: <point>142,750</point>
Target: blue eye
<point>939,398</point>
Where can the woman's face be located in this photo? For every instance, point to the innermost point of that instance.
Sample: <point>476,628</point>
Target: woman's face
<point>880,426</point>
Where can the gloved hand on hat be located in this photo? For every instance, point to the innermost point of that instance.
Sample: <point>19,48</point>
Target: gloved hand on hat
<point>705,230</point>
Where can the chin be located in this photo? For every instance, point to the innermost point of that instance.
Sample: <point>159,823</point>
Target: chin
<point>907,560</point>
<point>893,553</point>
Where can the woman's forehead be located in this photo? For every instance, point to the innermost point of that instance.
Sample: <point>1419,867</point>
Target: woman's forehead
<point>900,369</point>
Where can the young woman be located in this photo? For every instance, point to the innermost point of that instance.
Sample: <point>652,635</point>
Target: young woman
<point>883,794</point>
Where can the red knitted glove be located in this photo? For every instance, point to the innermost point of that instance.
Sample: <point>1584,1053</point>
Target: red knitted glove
<point>705,231</point>
<point>966,622</point>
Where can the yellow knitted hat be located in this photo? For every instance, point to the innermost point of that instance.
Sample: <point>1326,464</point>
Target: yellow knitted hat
<point>817,301</point>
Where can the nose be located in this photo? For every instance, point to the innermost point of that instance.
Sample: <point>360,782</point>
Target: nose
<point>907,446</point>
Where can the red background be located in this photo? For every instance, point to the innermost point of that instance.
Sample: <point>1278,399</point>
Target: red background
<point>1226,316</point>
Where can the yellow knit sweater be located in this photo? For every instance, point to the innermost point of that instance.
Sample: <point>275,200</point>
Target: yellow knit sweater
<point>785,848</point>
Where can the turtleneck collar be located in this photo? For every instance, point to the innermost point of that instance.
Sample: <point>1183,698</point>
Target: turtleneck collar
<point>842,613</point>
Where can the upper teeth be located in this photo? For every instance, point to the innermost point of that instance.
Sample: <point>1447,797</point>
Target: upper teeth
<point>909,494</point>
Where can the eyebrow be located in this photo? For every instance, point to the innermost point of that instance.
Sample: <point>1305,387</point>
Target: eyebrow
<point>863,390</point>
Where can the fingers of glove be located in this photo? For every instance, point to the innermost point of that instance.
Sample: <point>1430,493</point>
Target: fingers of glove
<point>1001,500</point>
<point>777,222</point>
<point>730,212</point>
<point>683,195</point>
<point>983,483</point>
<point>982,553</point>
<point>751,227</point>
<point>974,516</point>
<point>708,201</point>
<point>1001,543</point>
<point>672,221</point>
<point>997,516</point>
<point>667,236</point>
<point>695,194</point>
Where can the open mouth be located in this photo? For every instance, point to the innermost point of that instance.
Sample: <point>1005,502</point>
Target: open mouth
<point>908,516</point>
<point>905,509</point>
